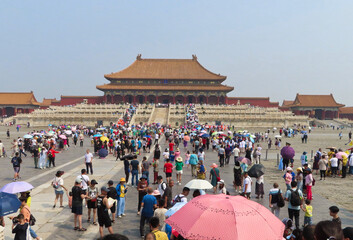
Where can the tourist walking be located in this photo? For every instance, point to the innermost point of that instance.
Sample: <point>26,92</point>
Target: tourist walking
<point>168,169</point>
<point>51,156</point>
<point>121,190</point>
<point>167,195</point>
<point>35,153</point>
<point>135,170</point>
<point>102,209</point>
<point>214,176</point>
<point>148,204</point>
<point>142,191</point>
<point>294,196</point>
<point>92,201</point>
<point>58,185</point>
<point>160,214</point>
<point>88,162</point>
<point>247,186</point>
<point>237,171</point>
<point>146,168</point>
<point>221,155</point>
<point>274,198</point>
<point>179,169</point>
<point>323,167</point>
<point>16,163</point>
<point>112,193</point>
<point>309,180</point>
<point>193,162</point>
<point>43,158</point>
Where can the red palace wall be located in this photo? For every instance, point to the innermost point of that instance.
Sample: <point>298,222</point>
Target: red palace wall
<point>77,100</point>
<point>260,102</point>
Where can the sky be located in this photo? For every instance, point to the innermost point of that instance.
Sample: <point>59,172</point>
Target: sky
<point>272,48</point>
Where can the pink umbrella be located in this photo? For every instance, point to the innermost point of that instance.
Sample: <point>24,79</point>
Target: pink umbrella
<point>225,217</point>
<point>340,155</point>
<point>62,136</point>
<point>245,160</point>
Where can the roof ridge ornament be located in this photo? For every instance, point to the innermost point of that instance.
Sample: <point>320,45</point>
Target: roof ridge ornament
<point>138,57</point>
<point>194,57</point>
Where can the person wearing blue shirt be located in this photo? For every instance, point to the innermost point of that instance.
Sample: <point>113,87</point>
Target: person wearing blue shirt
<point>149,203</point>
<point>193,160</point>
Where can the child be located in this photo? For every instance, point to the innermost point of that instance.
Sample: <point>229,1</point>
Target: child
<point>201,170</point>
<point>334,214</point>
<point>171,157</point>
<point>70,199</point>
<point>160,213</point>
<point>308,209</point>
<point>187,157</point>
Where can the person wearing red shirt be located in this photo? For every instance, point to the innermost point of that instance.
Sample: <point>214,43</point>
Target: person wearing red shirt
<point>51,156</point>
<point>171,147</point>
<point>168,169</point>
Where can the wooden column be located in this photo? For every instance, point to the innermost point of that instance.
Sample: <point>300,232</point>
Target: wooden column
<point>218,100</point>
<point>112,99</point>
<point>146,99</point>
<point>323,114</point>
<point>105,99</point>
<point>173,99</point>
<point>207,100</point>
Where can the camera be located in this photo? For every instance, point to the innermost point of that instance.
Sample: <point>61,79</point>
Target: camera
<point>15,220</point>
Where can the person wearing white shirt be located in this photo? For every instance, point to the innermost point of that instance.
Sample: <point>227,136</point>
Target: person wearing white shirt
<point>222,188</point>
<point>236,152</point>
<point>88,161</point>
<point>334,165</point>
<point>247,185</point>
<point>85,180</point>
<point>156,137</point>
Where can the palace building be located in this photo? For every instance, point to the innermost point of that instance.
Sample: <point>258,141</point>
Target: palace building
<point>12,103</point>
<point>316,106</point>
<point>165,81</point>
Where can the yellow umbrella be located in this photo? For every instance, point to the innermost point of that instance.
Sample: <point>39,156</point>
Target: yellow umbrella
<point>103,139</point>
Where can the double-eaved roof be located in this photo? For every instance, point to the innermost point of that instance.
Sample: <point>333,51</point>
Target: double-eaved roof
<point>183,69</point>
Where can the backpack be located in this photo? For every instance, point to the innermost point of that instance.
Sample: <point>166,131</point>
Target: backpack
<point>295,198</point>
<point>177,199</point>
<point>280,202</point>
<point>50,154</point>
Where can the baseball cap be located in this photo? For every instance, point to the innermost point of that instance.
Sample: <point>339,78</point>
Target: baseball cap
<point>78,179</point>
<point>94,182</point>
<point>105,189</point>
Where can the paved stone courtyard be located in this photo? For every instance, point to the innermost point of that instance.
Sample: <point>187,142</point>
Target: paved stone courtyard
<point>58,223</point>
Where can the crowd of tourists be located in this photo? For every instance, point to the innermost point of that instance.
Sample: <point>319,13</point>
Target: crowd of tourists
<point>236,150</point>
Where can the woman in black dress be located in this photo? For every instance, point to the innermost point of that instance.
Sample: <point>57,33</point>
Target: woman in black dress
<point>237,176</point>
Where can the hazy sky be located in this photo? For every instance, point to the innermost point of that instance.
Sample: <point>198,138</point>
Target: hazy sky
<point>264,47</point>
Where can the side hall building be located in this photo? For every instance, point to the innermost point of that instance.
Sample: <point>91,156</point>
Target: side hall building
<point>12,103</point>
<point>316,106</point>
<point>165,81</point>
